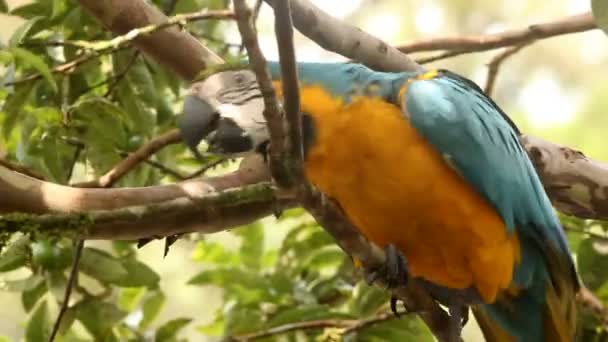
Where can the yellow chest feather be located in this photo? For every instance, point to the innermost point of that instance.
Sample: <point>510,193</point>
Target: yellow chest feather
<point>397,189</point>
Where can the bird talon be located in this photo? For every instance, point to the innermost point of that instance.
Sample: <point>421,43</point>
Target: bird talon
<point>394,303</point>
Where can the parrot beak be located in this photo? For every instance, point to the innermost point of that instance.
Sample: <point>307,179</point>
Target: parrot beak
<point>199,119</point>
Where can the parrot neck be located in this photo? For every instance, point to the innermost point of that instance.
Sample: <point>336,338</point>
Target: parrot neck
<point>347,80</point>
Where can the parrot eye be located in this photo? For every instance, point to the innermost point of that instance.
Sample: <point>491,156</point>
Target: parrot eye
<point>239,79</point>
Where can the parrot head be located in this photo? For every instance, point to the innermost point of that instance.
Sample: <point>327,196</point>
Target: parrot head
<point>225,110</point>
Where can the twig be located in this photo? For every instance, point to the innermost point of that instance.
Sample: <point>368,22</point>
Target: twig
<point>495,64</point>
<point>349,325</point>
<point>68,290</point>
<point>283,329</point>
<point>68,66</point>
<point>172,47</point>
<point>77,152</point>
<point>179,19</point>
<point>205,168</point>
<point>21,169</point>
<point>366,323</point>
<point>439,56</point>
<point>573,24</point>
<point>601,237</point>
<point>103,47</point>
<point>121,75</point>
<point>157,165</point>
<point>124,166</point>
<point>254,20</point>
<point>590,302</point>
<point>170,6</point>
<point>272,111</point>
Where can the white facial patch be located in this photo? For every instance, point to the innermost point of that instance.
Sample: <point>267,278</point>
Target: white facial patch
<point>249,116</point>
<point>235,94</point>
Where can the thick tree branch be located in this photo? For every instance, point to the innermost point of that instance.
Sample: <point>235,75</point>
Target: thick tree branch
<point>347,40</point>
<point>172,47</point>
<point>205,205</point>
<point>464,44</point>
<point>576,184</point>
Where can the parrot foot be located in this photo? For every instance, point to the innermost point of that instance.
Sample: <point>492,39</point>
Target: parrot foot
<point>459,316</point>
<point>393,273</point>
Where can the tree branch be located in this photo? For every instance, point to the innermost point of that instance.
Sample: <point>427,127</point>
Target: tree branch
<point>464,44</point>
<point>495,64</point>
<point>143,153</point>
<point>172,47</point>
<point>349,326</point>
<point>577,185</point>
<point>273,113</point>
<point>591,303</point>
<point>205,205</point>
<point>347,40</point>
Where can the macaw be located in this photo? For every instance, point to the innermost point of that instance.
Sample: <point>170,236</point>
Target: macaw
<point>424,164</point>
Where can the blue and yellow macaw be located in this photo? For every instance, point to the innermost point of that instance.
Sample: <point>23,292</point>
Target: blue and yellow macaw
<point>427,164</point>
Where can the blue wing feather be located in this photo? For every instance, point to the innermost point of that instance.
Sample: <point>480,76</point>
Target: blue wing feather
<point>482,144</point>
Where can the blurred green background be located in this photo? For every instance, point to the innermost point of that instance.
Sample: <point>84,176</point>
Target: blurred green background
<point>555,89</point>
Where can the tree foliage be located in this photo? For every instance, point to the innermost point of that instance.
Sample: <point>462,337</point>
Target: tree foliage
<point>70,112</point>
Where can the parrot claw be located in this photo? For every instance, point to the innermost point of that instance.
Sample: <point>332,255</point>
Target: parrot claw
<point>393,272</point>
<point>459,316</point>
<point>394,302</point>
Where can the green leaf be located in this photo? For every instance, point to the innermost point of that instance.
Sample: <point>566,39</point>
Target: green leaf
<point>138,274</point>
<point>32,10</point>
<point>38,326</point>
<point>252,244</point>
<point>600,14</point>
<point>368,299</point>
<point>140,115</point>
<point>214,253</point>
<point>56,283</point>
<point>213,329</point>
<point>328,256</point>
<point>408,328</point>
<point>592,260</point>
<point>37,63</point>
<point>242,320</point>
<point>3,6</point>
<point>152,307</point>
<point>15,255</point>
<point>98,317</point>
<point>13,106</point>
<point>103,117</point>
<point>22,32</point>
<point>168,331</point>
<point>130,297</point>
<point>245,286</point>
<point>101,266</point>
<point>31,295</point>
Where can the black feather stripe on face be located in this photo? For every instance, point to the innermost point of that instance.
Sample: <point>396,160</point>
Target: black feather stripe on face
<point>230,138</point>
